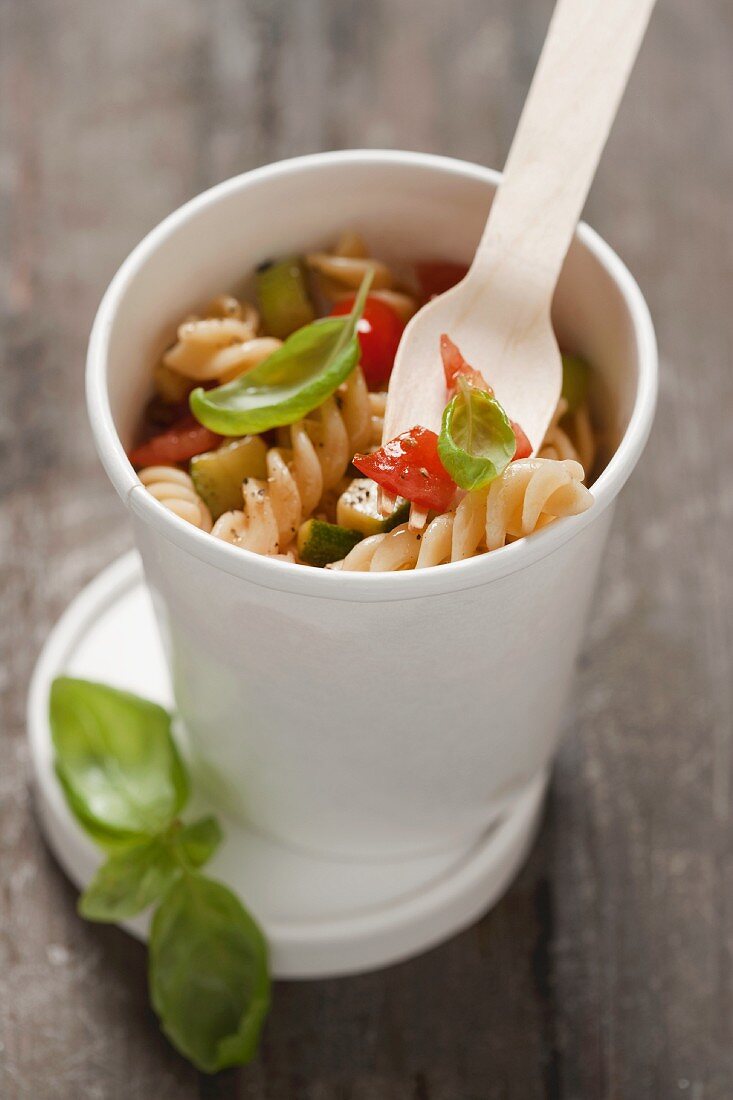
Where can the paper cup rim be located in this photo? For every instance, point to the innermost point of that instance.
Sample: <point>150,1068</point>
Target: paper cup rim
<point>328,584</point>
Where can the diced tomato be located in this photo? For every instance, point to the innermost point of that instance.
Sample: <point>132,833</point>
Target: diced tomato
<point>454,365</point>
<point>379,331</point>
<point>524,447</point>
<point>184,440</point>
<point>409,467</point>
<point>437,276</point>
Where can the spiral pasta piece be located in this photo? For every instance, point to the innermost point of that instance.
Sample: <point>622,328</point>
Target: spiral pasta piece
<point>340,273</point>
<point>528,495</point>
<point>175,491</point>
<point>532,493</point>
<point>570,436</point>
<point>255,527</point>
<point>220,346</point>
<point>226,305</point>
<point>580,430</point>
<point>557,443</point>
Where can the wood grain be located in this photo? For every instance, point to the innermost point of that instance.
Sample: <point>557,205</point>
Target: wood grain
<point>606,971</point>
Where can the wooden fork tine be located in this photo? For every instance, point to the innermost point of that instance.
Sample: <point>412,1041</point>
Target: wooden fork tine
<point>385,503</point>
<point>417,519</point>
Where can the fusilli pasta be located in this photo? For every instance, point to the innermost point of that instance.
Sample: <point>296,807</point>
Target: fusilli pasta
<point>340,272</point>
<point>221,345</point>
<point>310,461</point>
<point>174,489</point>
<point>528,495</point>
<point>295,476</point>
<point>570,436</point>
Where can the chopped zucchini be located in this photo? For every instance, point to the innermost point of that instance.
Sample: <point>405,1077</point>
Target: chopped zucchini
<point>285,304</point>
<point>320,543</point>
<point>575,378</point>
<point>218,475</point>
<point>357,509</point>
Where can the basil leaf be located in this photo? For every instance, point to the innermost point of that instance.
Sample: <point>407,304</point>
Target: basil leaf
<point>130,881</point>
<point>199,840</point>
<point>116,760</point>
<point>476,439</point>
<point>291,382</point>
<point>575,379</point>
<point>208,973</point>
<point>125,782</point>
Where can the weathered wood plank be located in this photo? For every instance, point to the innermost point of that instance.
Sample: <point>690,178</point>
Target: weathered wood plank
<point>606,971</point>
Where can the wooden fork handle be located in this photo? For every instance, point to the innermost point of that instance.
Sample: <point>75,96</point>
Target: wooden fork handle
<point>581,75</point>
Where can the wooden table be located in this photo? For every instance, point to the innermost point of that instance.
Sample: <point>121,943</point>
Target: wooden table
<point>606,971</point>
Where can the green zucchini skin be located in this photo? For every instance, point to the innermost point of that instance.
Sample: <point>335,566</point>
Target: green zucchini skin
<point>218,475</point>
<point>321,543</point>
<point>284,301</point>
<point>357,509</point>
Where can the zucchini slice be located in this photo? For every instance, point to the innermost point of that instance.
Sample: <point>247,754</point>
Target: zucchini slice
<point>282,292</point>
<point>575,379</point>
<point>218,475</point>
<point>320,543</point>
<point>357,509</point>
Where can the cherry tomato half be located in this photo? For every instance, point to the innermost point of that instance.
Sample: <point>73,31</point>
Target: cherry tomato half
<point>409,467</point>
<point>379,332</point>
<point>182,441</point>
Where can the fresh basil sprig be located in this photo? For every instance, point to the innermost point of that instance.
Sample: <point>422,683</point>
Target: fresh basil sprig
<point>476,441</point>
<point>291,382</point>
<point>126,784</point>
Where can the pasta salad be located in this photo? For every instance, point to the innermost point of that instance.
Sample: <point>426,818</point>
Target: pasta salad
<point>265,428</point>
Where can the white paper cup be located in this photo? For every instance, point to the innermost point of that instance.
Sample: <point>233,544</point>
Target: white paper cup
<point>364,714</point>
